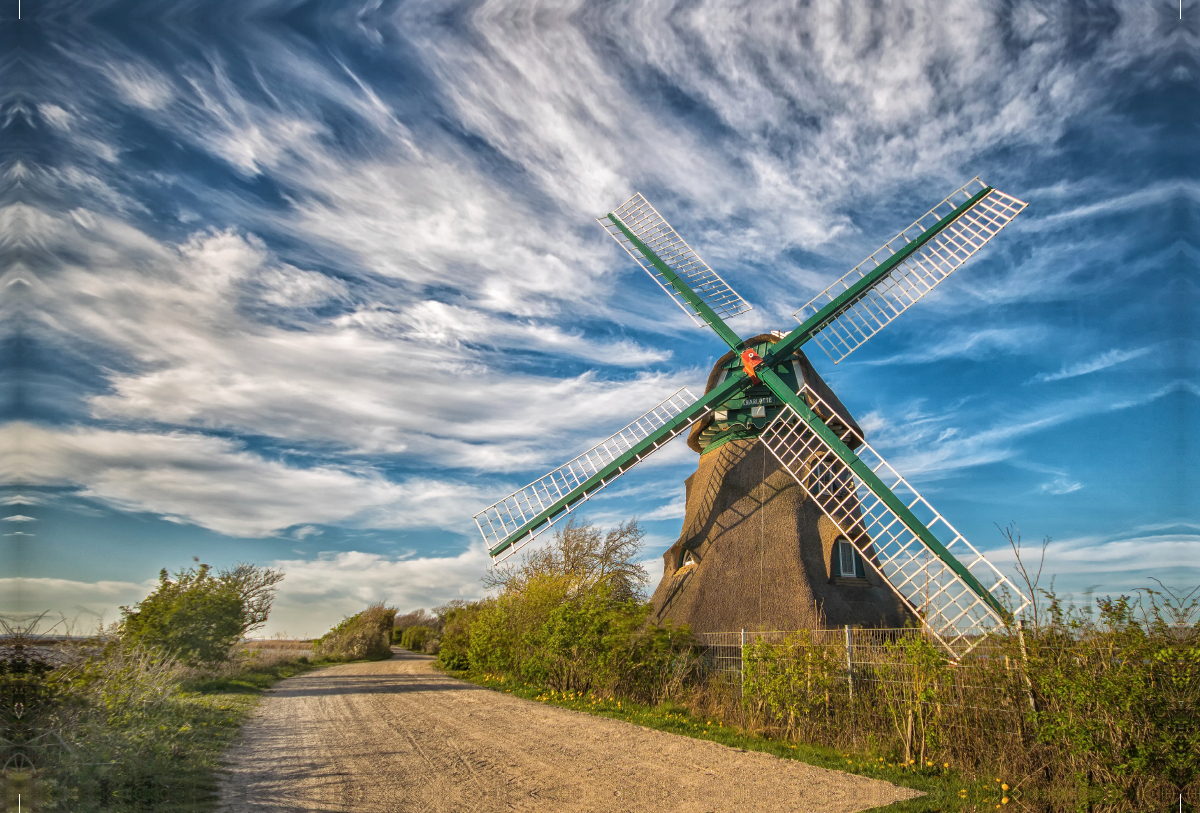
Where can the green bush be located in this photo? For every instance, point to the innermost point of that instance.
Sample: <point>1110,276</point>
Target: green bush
<point>456,635</point>
<point>1098,713</point>
<point>417,618</point>
<point>1116,700</point>
<point>199,617</point>
<point>414,638</point>
<point>365,636</point>
<point>569,618</point>
<point>581,640</point>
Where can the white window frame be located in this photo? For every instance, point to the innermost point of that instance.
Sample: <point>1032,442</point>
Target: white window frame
<point>846,551</point>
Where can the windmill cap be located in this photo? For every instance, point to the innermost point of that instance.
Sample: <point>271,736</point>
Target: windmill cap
<point>811,378</point>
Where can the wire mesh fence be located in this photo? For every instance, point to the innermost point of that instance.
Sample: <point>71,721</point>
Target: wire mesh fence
<point>838,685</point>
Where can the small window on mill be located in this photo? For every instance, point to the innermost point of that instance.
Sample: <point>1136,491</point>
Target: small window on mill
<point>848,561</point>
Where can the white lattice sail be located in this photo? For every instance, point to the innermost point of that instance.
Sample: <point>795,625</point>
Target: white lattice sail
<point>917,275</point>
<point>649,226</point>
<point>947,606</point>
<point>504,518</point>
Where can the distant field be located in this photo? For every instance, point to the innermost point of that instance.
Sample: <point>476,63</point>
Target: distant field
<point>280,648</point>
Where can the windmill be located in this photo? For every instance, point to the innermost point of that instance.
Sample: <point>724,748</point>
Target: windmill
<point>929,566</point>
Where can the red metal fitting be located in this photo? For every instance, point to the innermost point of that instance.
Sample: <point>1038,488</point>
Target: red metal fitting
<point>751,361</point>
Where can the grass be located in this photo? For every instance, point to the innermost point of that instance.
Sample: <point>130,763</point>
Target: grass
<point>145,751</point>
<point>945,788</point>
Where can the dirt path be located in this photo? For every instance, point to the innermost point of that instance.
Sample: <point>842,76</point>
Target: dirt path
<point>399,736</point>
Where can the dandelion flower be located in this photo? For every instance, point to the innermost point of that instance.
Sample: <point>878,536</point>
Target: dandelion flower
<point>1004,786</point>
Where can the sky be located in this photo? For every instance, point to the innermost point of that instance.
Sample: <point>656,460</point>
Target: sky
<point>309,284</point>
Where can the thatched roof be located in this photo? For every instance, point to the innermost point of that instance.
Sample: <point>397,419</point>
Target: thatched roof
<point>757,553</point>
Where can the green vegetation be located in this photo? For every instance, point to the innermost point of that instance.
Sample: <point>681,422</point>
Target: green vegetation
<point>136,719</point>
<point>1085,714</point>
<point>199,617</point>
<point>567,619</point>
<point>415,638</point>
<point>364,636</point>
<point>1072,713</point>
<point>136,731</point>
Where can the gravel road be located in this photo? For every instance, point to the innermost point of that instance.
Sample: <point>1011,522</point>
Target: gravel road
<point>398,735</point>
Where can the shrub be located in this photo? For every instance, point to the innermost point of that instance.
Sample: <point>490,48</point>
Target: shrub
<point>199,617</point>
<point>366,635</point>
<point>569,618</point>
<point>456,634</point>
<point>1094,711</point>
<point>414,638</point>
<point>417,618</point>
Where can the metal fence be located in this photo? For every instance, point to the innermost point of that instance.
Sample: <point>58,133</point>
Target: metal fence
<point>724,652</point>
<point>835,682</point>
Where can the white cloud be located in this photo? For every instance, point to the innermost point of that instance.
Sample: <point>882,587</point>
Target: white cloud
<point>317,593</point>
<point>919,447</point>
<point>73,607</point>
<point>1112,556</point>
<point>140,85</point>
<point>370,380</point>
<point>654,570</point>
<point>19,518</point>
<point>1110,358</point>
<point>216,483</point>
<point>1060,485</point>
<point>56,116</point>
<point>675,509</point>
<point>973,344</point>
<point>288,287</point>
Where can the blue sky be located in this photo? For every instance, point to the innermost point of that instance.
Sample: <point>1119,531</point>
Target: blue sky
<point>310,284</point>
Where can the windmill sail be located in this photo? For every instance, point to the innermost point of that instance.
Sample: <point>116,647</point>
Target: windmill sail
<point>649,227</point>
<point>916,274</point>
<point>526,513</point>
<point>929,583</point>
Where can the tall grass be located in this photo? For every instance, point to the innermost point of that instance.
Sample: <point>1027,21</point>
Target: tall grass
<point>102,725</point>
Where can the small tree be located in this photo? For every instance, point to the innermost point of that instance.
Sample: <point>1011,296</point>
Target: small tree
<point>199,617</point>
<point>586,557</point>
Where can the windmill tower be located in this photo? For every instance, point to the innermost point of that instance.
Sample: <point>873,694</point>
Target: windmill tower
<point>756,552</point>
<point>765,407</point>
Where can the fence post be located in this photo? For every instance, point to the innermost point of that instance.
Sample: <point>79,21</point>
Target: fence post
<point>850,662</point>
<point>742,671</point>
